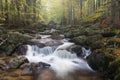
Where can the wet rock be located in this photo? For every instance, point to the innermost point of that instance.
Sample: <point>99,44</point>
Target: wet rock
<point>45,75</point>
<point>35,42</point>
<point>17,62</point>
<point>14,75</point>
<point>26,65</point>
<point>3,65</point>
<point>77,49</point>
<point>43,65</point>
<point>26,72</point>
<point>53,43</point>
<point>21,50</point>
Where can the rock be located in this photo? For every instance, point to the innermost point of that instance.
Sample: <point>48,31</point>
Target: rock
<point>112,42</point>
<point>97,45</point>
<point>81,40</point>
<point>53,43</point>
<point>3,65</point>
<point>77,49</point>
<point>35,42</point>
<point>43,65</point>
<point>21,50</point>
<point>91,32</point>
<point>17,62</point>
<point>108,34</point>
<point>26,65</point>
<point>29,69</point>
<point>14,39</point>
<point>99,61</point>
<point>114,69</point>
<point>26,72</point>
<point>14,75</point>
<point>74,33</point>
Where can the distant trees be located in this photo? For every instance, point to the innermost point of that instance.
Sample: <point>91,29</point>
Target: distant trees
<point>69,12</point>
<point>20,12</point>
<point>115,11</point>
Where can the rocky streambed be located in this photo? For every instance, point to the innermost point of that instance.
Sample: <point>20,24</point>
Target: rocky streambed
<point>18,67</point>
<point>104,57</point>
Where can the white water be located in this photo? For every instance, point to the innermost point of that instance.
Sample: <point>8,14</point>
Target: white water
<point>86,52</point>
<point>61,60</point>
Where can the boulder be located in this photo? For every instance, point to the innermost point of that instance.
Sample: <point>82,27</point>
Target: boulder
<point>80,40</point>
<point>14,39</point>
<point>21,50</point>
<point>99,61</point>
<point>3,65</point>
<point>17,62</point>
<point>77,49</point>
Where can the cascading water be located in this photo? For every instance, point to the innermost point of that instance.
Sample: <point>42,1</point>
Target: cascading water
<point>86,52</point>
<point>60,59</point>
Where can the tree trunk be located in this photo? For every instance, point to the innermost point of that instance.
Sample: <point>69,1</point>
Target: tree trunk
<point>7,12</point>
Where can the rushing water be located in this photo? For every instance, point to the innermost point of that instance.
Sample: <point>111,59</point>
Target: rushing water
<point>60,59</point>
<point>85,52</point>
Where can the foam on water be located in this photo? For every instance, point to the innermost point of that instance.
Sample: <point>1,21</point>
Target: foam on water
<point>61,60</point>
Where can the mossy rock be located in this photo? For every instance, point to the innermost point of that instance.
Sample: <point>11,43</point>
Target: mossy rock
<point>117,76</point>
<point>99,61</point>
<point>56,36</point>
<point>97,45</point>
<point>81,40</point>
<point>109,34</point>
<point>73,33</point>
<point>111,42</point>
<point>14,39</point>
<point>90,32</point>
<point>114,69</point>
<point>77,49</point>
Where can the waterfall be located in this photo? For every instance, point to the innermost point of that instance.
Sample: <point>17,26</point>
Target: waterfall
<point>85,52</point>
<point>60,59</point>
<point>35,50</point>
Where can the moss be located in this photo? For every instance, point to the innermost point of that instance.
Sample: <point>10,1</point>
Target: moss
<point>112,42</point>
<point>114,67</point>
<point>73,33</point>
<point>80,40</point>
<point>13,40</point>
<point>77,49</point>
<point>97,44</point>
<point>93,17</point>
<point>117,76</point>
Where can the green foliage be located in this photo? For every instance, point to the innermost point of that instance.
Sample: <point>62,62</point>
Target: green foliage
<point>114,69</point>
<point>92,17</point>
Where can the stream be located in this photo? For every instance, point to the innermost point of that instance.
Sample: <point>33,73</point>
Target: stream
<point>61,63</point>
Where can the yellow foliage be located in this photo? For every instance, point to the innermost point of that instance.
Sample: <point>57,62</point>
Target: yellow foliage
<point>92,17</point>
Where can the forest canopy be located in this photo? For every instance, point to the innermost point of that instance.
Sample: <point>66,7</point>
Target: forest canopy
<point>27,12</point>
